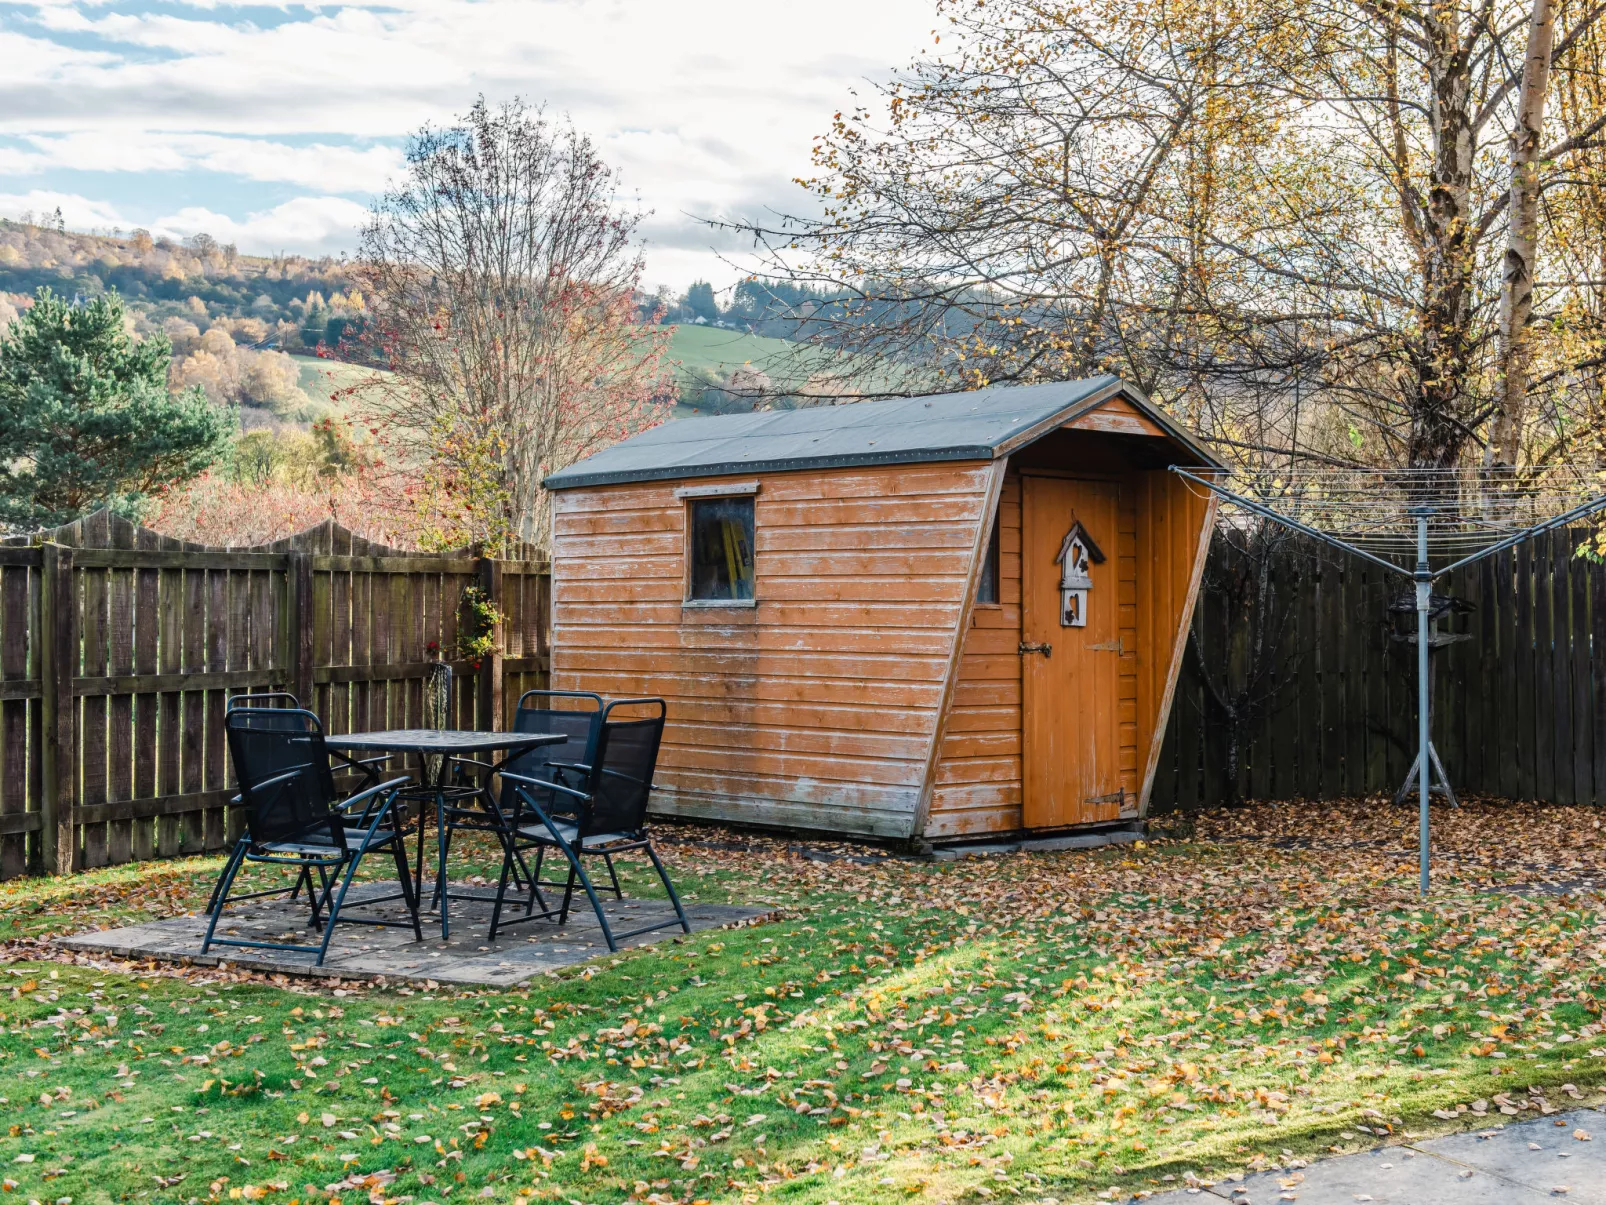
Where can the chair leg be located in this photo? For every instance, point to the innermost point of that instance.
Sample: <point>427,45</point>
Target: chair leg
<point>577,870</point>
<point>334,911</point>
<point>501,888</point>
<point>398,850</point>
<point>220,893</point>
<point>535,885</point>
<point>315,898</point>
<point>613,874</point>
<point>674,898</point>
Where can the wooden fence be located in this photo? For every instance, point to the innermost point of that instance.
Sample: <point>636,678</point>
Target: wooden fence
<point>119,646</point>
<point>1519,708</point>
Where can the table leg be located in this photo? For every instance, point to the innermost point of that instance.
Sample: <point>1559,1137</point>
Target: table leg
<point>441,885</point>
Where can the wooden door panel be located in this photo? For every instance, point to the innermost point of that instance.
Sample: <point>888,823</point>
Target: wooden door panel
<point>1071,719</point>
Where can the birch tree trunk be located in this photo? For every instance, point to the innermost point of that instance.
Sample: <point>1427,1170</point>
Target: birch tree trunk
<point>1522,238</point>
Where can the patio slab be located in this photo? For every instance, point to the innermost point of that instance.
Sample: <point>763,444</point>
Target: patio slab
<point>369,952</point>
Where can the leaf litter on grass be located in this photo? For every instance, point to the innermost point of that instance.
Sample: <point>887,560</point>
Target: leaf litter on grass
<point>1035,1025</point>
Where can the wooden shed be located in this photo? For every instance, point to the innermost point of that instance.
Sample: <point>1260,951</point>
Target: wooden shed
<point>931,618</point>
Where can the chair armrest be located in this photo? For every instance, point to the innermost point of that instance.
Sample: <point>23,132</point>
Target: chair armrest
<point>524,780</point>
<point>367,796</point>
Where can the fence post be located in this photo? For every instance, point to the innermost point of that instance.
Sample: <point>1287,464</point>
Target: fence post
<point>298,581</point>
<point>58,664</point>
<point>488,682</point>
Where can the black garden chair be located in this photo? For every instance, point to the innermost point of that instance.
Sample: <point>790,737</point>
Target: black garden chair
<point>295,818</point>
<point>368,768</point>
<point>588,809</point>
<point>538,711</point>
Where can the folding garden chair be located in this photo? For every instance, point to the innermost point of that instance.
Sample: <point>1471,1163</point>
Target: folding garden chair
<point>369,768</point>
<point>294,818</point>
<point>538,711</point>
<point>597,808</point>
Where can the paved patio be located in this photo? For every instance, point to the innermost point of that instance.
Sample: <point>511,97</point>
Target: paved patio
<point>369,952</point>
<point>1546,1159</point>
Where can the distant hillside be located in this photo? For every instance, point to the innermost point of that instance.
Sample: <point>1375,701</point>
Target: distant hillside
<point>721,371</point>
<point>285,301</point>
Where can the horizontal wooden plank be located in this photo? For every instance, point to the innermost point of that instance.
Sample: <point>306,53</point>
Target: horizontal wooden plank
<point>425,565</point>
<point>12,823</point>
<point>794,716</point>
<point>978,769</point>
<point>162,558</point>
<point>958,744</point>
<point>767,638</point>
<point>999,794</point>
<point>141,684</point>
<point>847,795</point>
<point>834,817</point>
<point>146,809</point>
<point>850,482</point>
<point>856,742</point>
<point>675,687</point>
<point>26,557</point>
<point>822,770</point>
<point>14,689</point>
<point>806,612</point>
<point>892,665</point>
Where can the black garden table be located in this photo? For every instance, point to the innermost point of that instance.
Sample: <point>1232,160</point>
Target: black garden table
<point>446,744</point>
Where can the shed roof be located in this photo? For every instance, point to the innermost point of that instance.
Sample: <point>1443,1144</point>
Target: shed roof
<point>982,424</point>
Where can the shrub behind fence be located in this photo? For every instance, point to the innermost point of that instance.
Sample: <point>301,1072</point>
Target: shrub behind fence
<point>119,646</point>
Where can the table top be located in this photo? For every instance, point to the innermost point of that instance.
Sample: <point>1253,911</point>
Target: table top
<point>440,740</point>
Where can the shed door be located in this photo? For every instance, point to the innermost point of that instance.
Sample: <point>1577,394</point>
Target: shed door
<point>1071,714</point>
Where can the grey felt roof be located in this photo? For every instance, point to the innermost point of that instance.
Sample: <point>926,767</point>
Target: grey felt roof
<point>978,425</point>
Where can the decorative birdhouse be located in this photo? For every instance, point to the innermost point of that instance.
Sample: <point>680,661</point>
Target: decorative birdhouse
<point>1078,553</point>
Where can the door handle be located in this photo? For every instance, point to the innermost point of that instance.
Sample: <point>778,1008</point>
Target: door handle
<point>1028,646</point>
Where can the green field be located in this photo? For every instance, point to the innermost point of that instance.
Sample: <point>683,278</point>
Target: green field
<point>321,380</point>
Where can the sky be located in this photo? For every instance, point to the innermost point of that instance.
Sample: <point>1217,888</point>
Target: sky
<point>271,126</point>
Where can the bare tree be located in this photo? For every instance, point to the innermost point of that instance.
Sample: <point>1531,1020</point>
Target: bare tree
<point>502,277</point>
<point>1328,227</point>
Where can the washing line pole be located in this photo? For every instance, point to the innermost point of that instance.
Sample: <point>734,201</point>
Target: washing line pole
<point>1424,597</point>
<point>1423,576</point>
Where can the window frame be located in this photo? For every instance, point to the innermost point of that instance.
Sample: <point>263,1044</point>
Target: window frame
<point>689,496</point>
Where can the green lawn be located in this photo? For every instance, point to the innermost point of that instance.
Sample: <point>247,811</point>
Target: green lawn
<point>1034,1026</point>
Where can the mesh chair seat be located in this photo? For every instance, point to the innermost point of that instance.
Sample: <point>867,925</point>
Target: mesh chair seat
<point>354,836</point>
<point>294,816</point>
<point>568,833</point>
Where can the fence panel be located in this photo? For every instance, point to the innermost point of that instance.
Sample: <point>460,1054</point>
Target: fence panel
<point>111,739</point>
<point>1519,706</point>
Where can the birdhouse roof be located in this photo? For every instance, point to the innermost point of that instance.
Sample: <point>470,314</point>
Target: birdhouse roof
<point>982,424</point>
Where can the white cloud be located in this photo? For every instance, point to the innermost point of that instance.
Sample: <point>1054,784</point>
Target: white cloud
<point>708,106</point>
<point>79,213</point>
<point>335,168</point>
<point>307,225</point>
<point>311,225</point>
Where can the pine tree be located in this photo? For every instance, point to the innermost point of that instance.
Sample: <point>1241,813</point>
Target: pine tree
<point>86,419</point>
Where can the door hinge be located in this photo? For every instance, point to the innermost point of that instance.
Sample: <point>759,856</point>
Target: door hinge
<point>1029,646</point>
<point>1106,646</point>
<point>1117,797</point>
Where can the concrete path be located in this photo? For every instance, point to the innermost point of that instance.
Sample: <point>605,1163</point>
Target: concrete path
<point>1559,1158</point>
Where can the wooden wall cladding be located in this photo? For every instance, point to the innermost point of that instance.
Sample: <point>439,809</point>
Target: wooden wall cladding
<point>119,647</point>
<point>816,707</point>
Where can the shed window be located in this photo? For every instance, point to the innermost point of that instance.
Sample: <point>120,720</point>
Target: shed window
<point>987,584</point>
<point>722,549</point>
